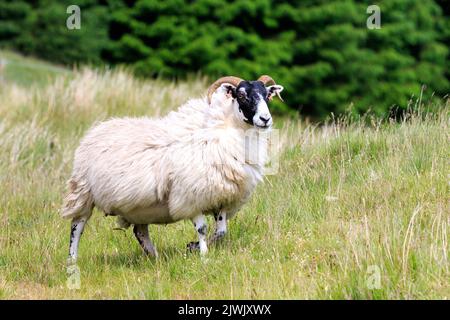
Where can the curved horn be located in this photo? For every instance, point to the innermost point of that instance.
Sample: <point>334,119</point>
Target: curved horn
<point>268,81</point>
<point>230,79</point>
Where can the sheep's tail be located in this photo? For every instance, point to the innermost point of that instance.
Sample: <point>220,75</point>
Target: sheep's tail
<point>79,201</point>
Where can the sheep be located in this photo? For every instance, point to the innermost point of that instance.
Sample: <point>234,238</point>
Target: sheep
<point>186,165</point>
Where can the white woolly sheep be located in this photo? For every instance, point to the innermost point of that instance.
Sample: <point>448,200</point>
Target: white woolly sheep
<point>190,163</point>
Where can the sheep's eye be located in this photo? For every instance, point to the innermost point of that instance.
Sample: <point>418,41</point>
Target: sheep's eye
<point>241,95</point>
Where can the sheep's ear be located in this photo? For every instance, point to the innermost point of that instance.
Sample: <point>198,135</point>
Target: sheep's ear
<point>274,90</point>
<point>228,89</point>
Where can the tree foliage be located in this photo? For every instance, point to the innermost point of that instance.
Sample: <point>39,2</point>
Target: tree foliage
<point>39,28</point>
<point>320,50</point>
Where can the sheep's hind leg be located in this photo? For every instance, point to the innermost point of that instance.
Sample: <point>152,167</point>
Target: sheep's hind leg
<point>221,227</point>
<point>141,233</point>
<point>201,227</point>
<point>76,231</point>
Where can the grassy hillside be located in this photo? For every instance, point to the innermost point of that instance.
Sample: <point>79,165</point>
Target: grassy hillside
<point>28,71</point>
<point>351,202</point>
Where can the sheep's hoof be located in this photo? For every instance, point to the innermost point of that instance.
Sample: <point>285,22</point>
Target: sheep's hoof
<point>193,246</point>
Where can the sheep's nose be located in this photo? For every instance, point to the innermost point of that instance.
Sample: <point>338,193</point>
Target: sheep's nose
<point>265,118</point>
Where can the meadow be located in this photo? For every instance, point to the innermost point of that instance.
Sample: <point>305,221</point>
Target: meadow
<point>358,210</point>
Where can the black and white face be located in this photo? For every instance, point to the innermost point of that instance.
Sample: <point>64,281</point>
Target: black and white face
<point>253,99</point>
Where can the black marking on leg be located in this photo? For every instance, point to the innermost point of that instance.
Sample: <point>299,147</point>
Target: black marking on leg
<point>216,213</point>
<point>138,236</point>
<point>202,230</point>
<point>220,234</point>
<point>72,234</point>
<point>192,246</point>
<point>217,236</point>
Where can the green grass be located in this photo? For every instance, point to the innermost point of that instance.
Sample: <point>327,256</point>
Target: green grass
<point>348,198</point>
<point>28,71</point>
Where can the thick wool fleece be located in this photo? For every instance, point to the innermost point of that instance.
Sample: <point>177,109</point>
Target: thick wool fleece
<point>163,170</point>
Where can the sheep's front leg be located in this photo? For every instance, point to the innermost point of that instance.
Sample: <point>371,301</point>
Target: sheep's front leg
<point>201,227</point>
<point>141,233</point>
<point>221,226</point>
